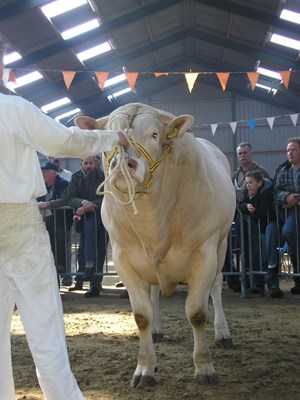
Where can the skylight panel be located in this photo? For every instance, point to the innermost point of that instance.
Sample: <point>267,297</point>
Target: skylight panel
<point>115,80</point>
<point>285,41</point>
<point>67,114</point>
<point>9,58</point>
<point>94,51</point>
<point>120,92</point>
<point>55,104</point>
<point>79,29</point>
<point>59,7</point>
<point>28,78</point>
<point>291,16</point>
<point>269,73</point>
<point>268,88</point>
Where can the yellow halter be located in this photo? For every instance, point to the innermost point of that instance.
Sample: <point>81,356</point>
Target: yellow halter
<point>152,164</point>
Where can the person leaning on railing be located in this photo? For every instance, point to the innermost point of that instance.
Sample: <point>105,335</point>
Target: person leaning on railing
<point>257,207</point>
<point>287,195</point>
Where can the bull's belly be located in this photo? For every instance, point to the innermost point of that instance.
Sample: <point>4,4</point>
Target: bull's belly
<point>167,273</point>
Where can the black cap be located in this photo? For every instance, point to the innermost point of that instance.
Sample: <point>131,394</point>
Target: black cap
<point>49,165</point>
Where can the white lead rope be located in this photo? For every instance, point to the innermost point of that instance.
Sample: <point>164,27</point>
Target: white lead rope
<point>122,164</point>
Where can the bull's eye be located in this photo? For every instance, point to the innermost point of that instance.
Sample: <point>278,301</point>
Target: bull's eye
<point>155,135</point>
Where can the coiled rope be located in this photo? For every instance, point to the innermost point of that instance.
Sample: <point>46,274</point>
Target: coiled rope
<point>121,163</point>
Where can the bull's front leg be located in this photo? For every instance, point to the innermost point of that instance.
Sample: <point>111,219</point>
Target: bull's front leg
<point>144,374</point>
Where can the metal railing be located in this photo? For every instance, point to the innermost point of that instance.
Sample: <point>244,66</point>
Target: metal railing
<point>241,262</point>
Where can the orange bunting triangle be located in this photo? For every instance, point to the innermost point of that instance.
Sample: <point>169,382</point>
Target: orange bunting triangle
<point>253,78</point>
<point>157,74</point>
<point>191,79</point>
<point>223,78</point>
<point>68,77</point>
<point>285,75</point>
<point>101,77</point>
<point>131,78</point>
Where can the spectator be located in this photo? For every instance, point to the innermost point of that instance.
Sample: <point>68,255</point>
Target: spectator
<point>244,155</point>
<point>62,172</point>
<point>258,204</point>
<point>287,194</point>
<point>66,280</point>
<point>58,222</point>
<point>82,197</point>
<point>27,274</point>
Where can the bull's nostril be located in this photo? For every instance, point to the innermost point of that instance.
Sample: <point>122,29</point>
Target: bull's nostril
<point>131,163</point>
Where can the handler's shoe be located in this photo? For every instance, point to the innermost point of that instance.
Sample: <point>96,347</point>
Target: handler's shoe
<point>93,292</point>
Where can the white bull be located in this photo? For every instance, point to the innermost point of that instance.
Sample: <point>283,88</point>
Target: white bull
<point>185,202</point>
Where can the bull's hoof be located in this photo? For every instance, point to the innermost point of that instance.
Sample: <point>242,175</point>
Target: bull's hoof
<point>140,382</point>
<point>225,343</point>
<point>157,337</point>
<point>202,379</point>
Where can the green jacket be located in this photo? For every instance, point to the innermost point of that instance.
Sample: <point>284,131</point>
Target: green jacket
<point>77,192</point>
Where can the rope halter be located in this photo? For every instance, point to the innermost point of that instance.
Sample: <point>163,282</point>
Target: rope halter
<point>121,162</point>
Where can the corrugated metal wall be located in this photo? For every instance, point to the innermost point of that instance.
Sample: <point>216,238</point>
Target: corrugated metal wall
<point>209,105</point>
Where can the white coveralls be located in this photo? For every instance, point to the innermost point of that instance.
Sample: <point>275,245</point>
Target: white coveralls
<point>27,272</point>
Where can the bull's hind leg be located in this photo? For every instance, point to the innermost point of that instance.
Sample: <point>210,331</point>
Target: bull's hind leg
<point>144,374</point>
<point>222,334</point>
<point>199,285</point>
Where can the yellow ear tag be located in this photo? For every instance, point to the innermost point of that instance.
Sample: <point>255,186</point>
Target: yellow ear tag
<point>172,134</point>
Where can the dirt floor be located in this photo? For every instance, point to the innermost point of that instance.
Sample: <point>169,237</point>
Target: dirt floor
<point>103,343</point>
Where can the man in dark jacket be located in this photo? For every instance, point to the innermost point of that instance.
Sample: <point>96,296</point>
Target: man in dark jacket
<point>58,222</point>
<point>287,195</point>
<point>86,203</point>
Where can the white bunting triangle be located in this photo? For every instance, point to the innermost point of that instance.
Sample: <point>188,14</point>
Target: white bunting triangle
<point>213,128</point>
<point>294,118</point>
<point>233,126</point>
<point>271,121</point>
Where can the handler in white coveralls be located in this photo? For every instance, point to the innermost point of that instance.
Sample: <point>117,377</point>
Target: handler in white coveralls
<point>27,272</point>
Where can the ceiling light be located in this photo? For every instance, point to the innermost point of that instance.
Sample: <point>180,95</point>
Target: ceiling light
<point>115,80</point>
<point>120,92</point>
<point>59,7</point>
<point>9,58</point>
<point>268,88</point>
<point>270,73</point>
<point>285,41</point>
<point>55,104</point>
<point>79,29</point>
<point>290,16</point>
<point>67,114</point>
<point>28,78</point>
<point>94,51</point>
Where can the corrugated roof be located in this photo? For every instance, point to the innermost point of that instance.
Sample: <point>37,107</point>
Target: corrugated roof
<point>152,36</point>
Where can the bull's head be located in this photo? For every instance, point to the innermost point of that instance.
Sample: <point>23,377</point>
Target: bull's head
<point>151,133</point>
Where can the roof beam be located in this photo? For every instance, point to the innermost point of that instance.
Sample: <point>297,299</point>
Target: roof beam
<point>252,13</point>
<point>18,7</point>
<point>106,27</point>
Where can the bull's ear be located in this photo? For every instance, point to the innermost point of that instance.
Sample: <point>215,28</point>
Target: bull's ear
<point>86,123</point>
<point>90,123</point>
<point>179,126</point>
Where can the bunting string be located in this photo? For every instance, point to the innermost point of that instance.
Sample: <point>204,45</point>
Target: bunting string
<point>190,77</point>
<point>251,123</point>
